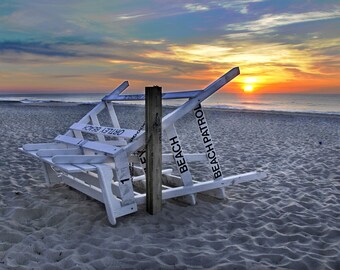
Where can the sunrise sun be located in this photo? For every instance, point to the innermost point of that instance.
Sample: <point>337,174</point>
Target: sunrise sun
<point>249,84</point>
<point>248,88</point>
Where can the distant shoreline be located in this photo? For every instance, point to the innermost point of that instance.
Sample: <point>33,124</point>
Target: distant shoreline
<point>207,107</point>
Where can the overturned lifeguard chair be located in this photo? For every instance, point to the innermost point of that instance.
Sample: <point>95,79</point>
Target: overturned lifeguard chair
<point>108,162</point>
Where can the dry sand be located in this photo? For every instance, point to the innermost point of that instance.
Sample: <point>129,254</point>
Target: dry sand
<point>290,220</point>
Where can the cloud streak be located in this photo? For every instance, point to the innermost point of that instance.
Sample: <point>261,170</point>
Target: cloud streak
<point>269,21</point>
<point>196,7</point>
<point>36,48</point>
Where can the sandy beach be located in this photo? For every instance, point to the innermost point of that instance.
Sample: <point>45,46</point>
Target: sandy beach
<point>289,220</point>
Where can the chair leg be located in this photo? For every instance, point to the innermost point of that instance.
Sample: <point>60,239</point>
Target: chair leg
<point>124,179</point>
<point>50,175</point>
<point>111,202</point>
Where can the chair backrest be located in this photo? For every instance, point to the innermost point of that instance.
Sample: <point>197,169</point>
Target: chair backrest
<point>120,137</point>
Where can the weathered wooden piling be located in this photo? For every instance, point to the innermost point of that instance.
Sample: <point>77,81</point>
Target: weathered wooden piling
<point>153,141</point>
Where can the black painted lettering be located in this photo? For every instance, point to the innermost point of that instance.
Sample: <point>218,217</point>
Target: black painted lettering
<point>215,168</point>
<point>143,160</point>
<point>124,180</point>
<point>203,128</point>
<point>198,107</point>
<point>201,121</point>
<point>180,162</point>
<point>209,147</point>
<point>214,161</point>
<point>217,174</point>
<point>206,139</point>
<point>110,131</point>
<point>176,149</point>
<point>105,130</point>
<point>183,169</point>
<point>179,154</point>
<point>205,133</point>
<point>174,140</point>
<point>199,114</point>
<point>211,154</point>
<point>120,131</point>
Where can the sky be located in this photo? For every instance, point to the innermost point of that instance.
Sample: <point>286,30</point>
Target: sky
<point>281,46</point>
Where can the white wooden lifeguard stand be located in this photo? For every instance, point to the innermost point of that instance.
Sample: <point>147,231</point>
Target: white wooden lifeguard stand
<point>101,166</point>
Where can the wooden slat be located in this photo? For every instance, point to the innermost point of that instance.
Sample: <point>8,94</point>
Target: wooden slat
<point>69,140</point>
<point>117,91</point>
<point>53,152</point>
<point>115,122</point>
<point>65,167</point>
<point>169,95</point>
<point>113,115</point>
<point>207,185</point>
<point>208,143</point>
<point>177,151</point>
<point>95,121</point>
<point>166,158</point>
<point>89,190</point>
<point>188,157</point>
<point>102,130</point>
<point>142,177</point>
<point>79,159</point>
<point>38,146</point>
<point>96,146</point>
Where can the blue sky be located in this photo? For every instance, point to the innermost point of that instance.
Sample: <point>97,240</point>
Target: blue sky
<point>83,45</point>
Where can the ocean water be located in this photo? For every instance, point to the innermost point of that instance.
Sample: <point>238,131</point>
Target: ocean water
<point>308,103</point>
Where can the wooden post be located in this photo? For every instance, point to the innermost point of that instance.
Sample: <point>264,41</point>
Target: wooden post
<point>153,141</point>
